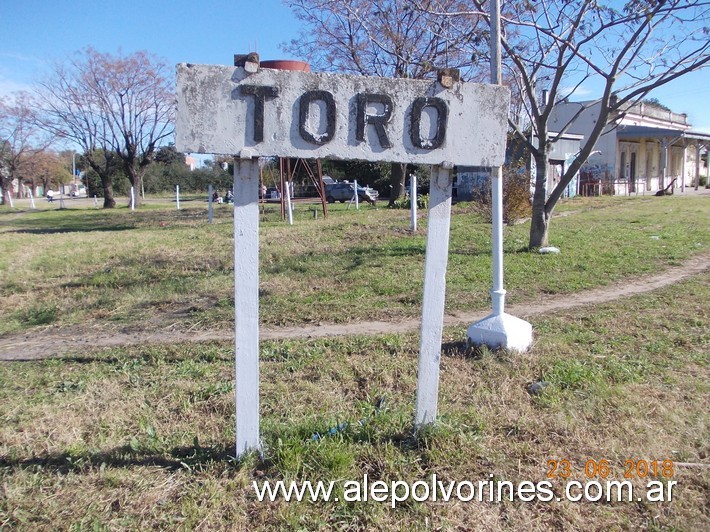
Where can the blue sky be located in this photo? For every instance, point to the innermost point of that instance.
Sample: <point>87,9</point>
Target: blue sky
<point>34,33</point>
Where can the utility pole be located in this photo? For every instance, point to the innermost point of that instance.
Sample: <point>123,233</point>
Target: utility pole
<point>499,329</point>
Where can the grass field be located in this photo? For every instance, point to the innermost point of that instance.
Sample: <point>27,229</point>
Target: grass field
<point>134,438</point>
<point>122,269</point>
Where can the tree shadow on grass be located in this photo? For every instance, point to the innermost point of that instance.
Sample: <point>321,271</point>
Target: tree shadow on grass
<point>462,349</point>
<point>73,228</point>
<point>126,456</point>
<point>203,458</point>
<point>46,223</point>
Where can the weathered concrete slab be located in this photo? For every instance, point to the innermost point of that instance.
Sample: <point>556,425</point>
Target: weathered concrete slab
<point>339,117</point>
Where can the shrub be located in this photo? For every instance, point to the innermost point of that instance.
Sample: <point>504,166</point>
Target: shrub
<point>405,203</point>
<point>517,202</point>
<point>40,315</point>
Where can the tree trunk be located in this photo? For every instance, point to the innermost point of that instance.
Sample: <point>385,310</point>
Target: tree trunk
<point>399,172</point>
<point>6,190</point>
<point>540,222</point>
<point>137,189</point>
<point>539,229</point>
<point>109,202</point>
<point>135,176</point>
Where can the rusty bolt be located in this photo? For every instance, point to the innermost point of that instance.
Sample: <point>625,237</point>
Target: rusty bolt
<point>249,62</point>
<point>448,76</point>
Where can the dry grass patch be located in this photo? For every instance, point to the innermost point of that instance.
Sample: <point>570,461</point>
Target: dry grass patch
<point>142,437</point>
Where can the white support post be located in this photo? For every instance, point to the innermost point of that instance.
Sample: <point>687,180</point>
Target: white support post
<point>32,201</point>
<point>177,196</point>
<point>499,329</point>
<point>413,200</point>
<point>9,196</point>
<point>498,292</point>
<point>355,198</point>
<point>697,164</point>
<point>133,198</point>
<point>246,303</point>
<point>664,163</point>
<point>96,201</point>
<point>683,168</point>
<point>289,206</point>
<point>437,253</point>
<point>209,203</point>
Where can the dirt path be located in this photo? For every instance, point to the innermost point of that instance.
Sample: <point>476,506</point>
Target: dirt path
<point>56,342</point>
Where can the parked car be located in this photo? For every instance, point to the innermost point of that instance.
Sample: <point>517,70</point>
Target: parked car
<point>344,191</point>
<point>272,193</point>
<point>79,192</point>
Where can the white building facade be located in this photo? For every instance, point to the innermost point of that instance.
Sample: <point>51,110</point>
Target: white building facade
<point>642,150</point>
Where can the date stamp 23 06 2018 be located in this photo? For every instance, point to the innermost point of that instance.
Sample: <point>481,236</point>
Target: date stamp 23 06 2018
<point>593,469</point>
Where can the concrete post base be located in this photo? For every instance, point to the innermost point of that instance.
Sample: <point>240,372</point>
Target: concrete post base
<point>502,330</point>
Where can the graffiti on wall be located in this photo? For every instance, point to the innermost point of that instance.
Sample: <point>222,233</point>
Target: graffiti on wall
<point>593,174</point>
<point>472,182</point>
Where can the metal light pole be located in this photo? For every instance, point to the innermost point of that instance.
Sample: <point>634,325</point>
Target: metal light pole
<point>499,329</point>
<point>498,292</point>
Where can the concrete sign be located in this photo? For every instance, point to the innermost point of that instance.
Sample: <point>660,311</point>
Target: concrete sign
<point>225,110</point>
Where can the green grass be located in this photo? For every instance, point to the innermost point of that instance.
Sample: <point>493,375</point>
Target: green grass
<point>159,266</point>
<point>142,437</point>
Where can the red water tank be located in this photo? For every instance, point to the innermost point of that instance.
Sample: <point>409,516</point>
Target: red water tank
<point>286,64</point>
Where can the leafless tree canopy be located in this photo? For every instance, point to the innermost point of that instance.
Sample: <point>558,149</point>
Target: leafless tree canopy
<point>383,38</point>
<point>116,108</point>
<point>626,50</point>
<point>620,51</point>
<point>21,142</point>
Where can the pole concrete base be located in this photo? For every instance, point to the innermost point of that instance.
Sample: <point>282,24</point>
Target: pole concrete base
<point>502,330</point>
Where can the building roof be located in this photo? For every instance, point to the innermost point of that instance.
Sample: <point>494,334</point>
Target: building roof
<point>655,115</point>
<point>629,132</point>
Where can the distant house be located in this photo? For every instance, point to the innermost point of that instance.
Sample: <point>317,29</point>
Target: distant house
<point>643,149</point>
<point>562,152</point>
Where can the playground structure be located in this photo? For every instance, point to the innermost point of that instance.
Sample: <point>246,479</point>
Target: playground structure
<point>288,169</point>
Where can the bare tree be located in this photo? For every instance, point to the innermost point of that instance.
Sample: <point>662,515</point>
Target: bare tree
<point>20,142</point>
<point>387,38</point>
<point>117,109</point>
<point>46,168</point>
<point>623,50</point>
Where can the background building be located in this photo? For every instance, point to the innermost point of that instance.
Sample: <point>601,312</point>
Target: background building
<point>644,149</point>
